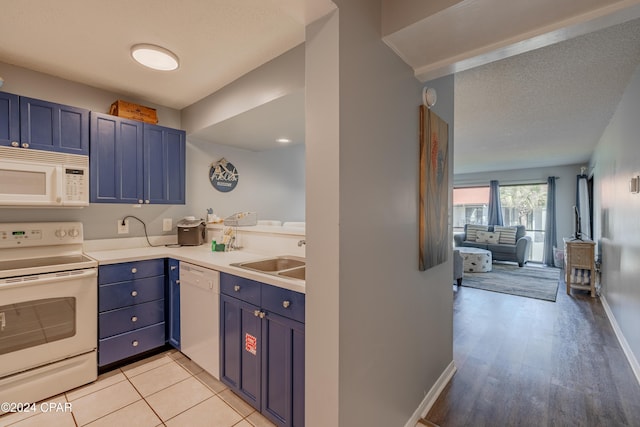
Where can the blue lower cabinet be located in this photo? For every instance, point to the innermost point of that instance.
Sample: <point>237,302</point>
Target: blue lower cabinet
<point>131,309</point>
<point>173,303</point>
<point>123,294</point>
<point>125,319</point>
<point>262,348</point>
<point>122,346</point>
<point>283,370</point>
<point>241,340</point>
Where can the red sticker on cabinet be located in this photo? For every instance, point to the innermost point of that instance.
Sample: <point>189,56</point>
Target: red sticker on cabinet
<point>250,343</point>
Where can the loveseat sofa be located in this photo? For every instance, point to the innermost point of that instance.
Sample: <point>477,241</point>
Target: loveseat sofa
<point>505,243</point>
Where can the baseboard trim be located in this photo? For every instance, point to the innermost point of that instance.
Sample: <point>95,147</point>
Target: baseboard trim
<point>433,394</point>
<point>635,366</point>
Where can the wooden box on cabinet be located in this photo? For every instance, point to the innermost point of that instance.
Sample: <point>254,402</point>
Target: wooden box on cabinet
<point>129,110</point>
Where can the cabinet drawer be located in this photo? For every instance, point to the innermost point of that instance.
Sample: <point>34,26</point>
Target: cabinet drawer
<point>127,319</point>
<point>241,288</point>
<point>130,270</point>
<point>284,302</point>
<point>124,294</point>
<point>131,343</point>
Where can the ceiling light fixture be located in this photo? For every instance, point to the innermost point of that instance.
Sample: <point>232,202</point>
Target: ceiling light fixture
<point>155,57</point>
<point>283,140</point>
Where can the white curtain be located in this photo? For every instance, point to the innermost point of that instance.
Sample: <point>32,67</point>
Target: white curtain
<point>583,207</point>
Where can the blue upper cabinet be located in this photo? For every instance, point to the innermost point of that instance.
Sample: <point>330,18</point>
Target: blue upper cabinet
<point>53,127</point>
<point>9,119</point>
<point>136,163</point>
<point>164,165</point>
<point>115,160</point>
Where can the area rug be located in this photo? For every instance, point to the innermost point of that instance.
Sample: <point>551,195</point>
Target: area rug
<point>528,281</point>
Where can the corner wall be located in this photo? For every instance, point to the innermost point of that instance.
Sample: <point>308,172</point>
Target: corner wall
<point>379,331</point>
<point>616,219</point>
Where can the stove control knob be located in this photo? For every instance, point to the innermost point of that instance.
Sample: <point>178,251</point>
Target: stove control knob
<point>74,232</point>
<point>61,233</point>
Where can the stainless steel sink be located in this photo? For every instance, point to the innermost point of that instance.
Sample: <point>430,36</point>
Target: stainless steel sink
<point>285,266</point>
<point>273,264</point>
<point>295,273</point>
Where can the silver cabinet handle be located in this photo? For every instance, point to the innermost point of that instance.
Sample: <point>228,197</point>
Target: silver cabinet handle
<point>146,201</point>
<point>173,267</point>
<point>134,270</point>
<point>262,314</point>
<point>139,201</point>
<point>135,343</point>
<point>178,282</point>
<point>286,304</point>
<point>15,144</point>
<point>236,288</point>
<point>134,293</point>
<point>256,313</point>
<point>25,145</point>
<point>134,318</point>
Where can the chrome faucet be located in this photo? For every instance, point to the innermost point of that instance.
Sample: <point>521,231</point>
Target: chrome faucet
<point>301,242</point>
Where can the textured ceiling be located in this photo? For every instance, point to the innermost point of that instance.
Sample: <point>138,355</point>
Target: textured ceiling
<point>545,107</point>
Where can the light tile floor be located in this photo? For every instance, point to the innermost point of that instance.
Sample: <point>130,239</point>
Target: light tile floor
<point>167,389</point>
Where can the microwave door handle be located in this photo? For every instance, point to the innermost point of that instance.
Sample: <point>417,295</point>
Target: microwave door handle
<point>58,179</point>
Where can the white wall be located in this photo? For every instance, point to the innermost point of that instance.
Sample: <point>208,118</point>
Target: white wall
<point>33,84</point>
<point>99,220</point>
<point>565,189</point>
<point>379,331</point>
<point>271,183</point>
<point>279,77</point>
<point>616,219</point>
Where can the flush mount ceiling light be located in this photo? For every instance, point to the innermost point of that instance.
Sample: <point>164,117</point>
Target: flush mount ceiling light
<point>283,140</point>
<point>155,57</point>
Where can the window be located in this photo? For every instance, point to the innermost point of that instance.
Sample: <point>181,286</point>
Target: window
<point>521,205</point>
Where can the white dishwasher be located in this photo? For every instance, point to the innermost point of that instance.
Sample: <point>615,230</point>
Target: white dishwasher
<point>199,316</point>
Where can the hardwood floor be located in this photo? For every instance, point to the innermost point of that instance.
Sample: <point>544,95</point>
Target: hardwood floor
<point>527,362</point>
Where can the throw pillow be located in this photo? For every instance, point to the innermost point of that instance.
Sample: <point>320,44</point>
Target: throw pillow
<point>507,234</point>
<point>487,237</point>
<point>472,230</point>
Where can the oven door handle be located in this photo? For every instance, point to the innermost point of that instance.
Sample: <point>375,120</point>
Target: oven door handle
<point>45,279</point>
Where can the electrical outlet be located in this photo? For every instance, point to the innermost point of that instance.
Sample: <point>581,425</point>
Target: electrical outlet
<point>166,224</point>
<point>123,229</point>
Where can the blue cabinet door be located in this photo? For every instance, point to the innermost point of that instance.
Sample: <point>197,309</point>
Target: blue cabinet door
<point>164,165</point>
<point>54,127</point>
<point>283,370</point>
<point>173,302</point>
<point>240,348</point>
<point>9,119</point>
<point>116,160</point>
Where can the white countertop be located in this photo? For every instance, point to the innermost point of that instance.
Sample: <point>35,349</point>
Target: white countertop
<point>202,256</point>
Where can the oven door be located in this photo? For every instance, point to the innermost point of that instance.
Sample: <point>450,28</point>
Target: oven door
<point>46,318</point>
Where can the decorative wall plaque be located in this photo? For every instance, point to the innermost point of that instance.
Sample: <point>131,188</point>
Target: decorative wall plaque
<point>223,175</point>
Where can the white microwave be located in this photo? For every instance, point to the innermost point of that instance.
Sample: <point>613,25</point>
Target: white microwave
<point>43,178</point>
